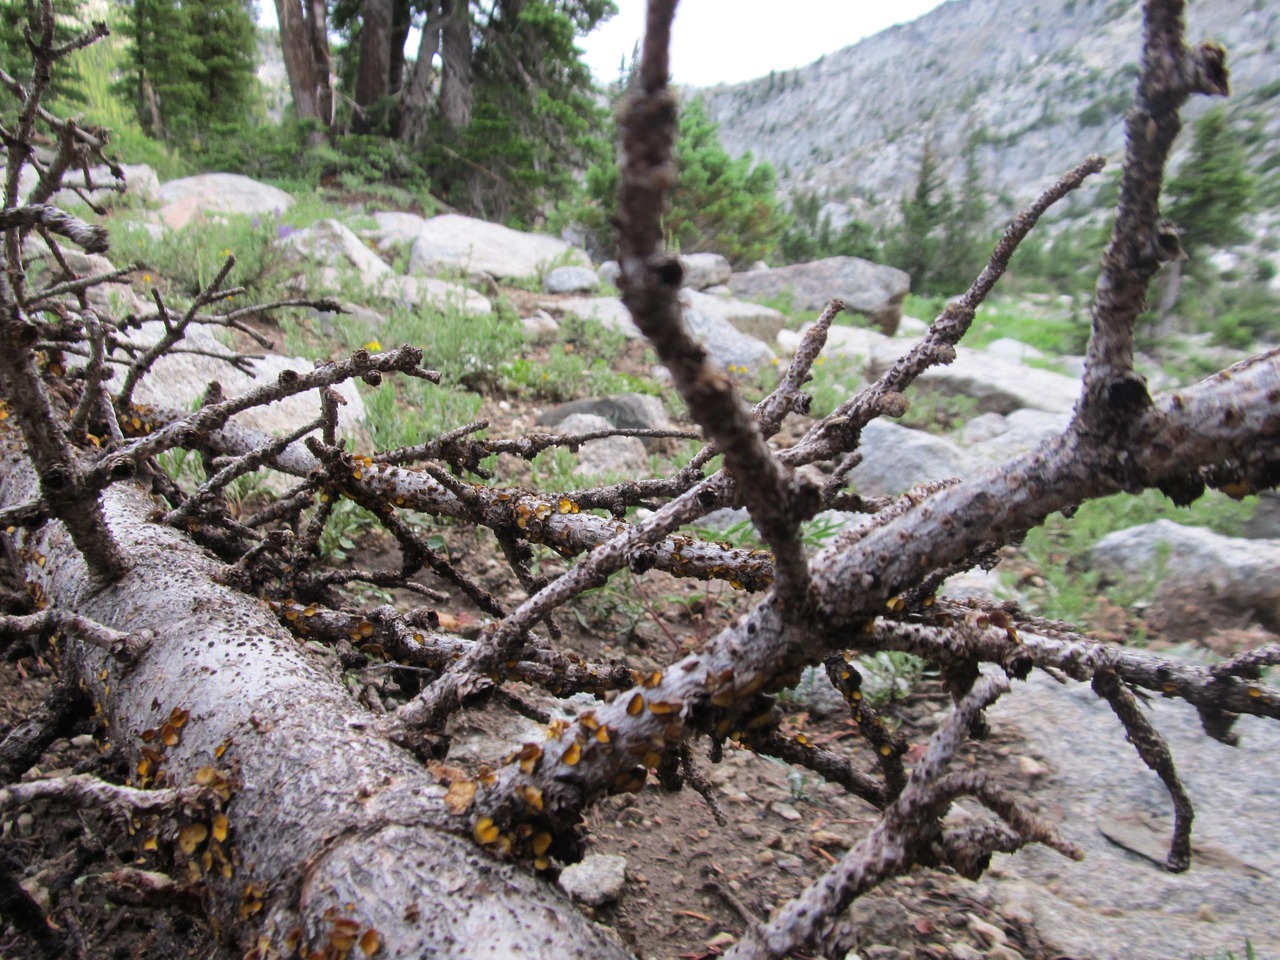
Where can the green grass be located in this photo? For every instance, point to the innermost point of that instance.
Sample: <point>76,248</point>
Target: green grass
<point>1060,548</point>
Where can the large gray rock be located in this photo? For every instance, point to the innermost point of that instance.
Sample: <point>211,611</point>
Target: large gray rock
<point>1265,522</point>
<point>1120,904</point>
<point>623,456</point>
<point>763,323</point>
<point>339,251</point>
<point>999,437</point>
<point>730,347</point>
<point>141,184</point>
<point>702,270</point>
<point>179,381</point>
<point>333,244</point>
<point>395,229</point>
<point>212,193</point>
<point>628,411</point>
<point>895,459</point>
<point>867,288</point>
<point>704,317</point>
<point>463,245</point>
<point>571,280</point>
<point>857,342</point>
<point>1198,579</point>
<point>1000,385</point>
<point>609,312</point>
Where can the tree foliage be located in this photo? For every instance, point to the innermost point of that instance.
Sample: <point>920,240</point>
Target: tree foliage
<point>15,57</point>
<point>191,66</point>
<point>720,204</point>
<point>1212,190</point>
<point>941,240</point>
<point>811,234</point>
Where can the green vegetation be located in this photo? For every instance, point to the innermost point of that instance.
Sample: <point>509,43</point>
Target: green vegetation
<point>1059,550</point>
<point>811,235</point>
<point>17,15</point>
<point>1212,190</point>
<point>190,67</point>
<point>942,240</point>
<point>720,203</point>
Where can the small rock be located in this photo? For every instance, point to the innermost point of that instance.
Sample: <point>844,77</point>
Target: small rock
<point>963,951</point>
<point>786,811</point>
<point>540,326</point>
<point>1030,767</point>
<point>791,864</point>
<point>1003,953</point>
<point>825,839</point>
<point>702,270</point>
<point>608,272</point>
<point>597,880</point>
<point>989,933</point>
<point>619,455</point>
<point>879,919</point>
<point>1205,914</point>
<point>883,953</point>
<point>571,280</point>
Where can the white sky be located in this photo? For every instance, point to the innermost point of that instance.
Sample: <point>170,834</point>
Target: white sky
<point>725,41</point>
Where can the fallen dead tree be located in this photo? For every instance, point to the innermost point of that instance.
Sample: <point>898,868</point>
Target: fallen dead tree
<point>310,825</point>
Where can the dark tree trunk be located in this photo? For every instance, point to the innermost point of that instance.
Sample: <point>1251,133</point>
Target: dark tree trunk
<point>400,24</point>
<point>304,43</point>
<point>415,101</point>
<point>455,79</point>
<point>373,77</point>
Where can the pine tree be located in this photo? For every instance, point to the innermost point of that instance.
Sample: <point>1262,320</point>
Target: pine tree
<point>964,246</point>
<point>721,204</point>
<point>916,247</point>
<point>15,58</point>
<point>192,65</point>
<point>1212,190</point>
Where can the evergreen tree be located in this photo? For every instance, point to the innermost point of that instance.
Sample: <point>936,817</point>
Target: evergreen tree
<point>1212,190</point>
<point>191,65</point>
<point>721,204</point>
<point>1207,200</point>
<point>15,58</point>
<point>965,234</point>
<point>811,235</point>
<point>916,247</point>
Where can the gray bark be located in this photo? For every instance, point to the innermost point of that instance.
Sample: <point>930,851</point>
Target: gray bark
<point>455,75</point>
<point>415,101</point>
<point>304,44</point>
<point>374,77</point>
<point>324,812</point>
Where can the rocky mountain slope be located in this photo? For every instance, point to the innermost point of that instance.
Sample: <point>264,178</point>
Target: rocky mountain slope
<point>1037,85</point>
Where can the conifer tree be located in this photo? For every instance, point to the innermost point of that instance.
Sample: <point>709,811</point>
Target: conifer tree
<point>15,58</point>
<point>191,65</point>
<point>916,246</point>
<point>721,204</point>
<point>1212,190</point>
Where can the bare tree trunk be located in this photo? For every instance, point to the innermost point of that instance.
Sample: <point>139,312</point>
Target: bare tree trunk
<point>455,79</point>
<point>416,101</point>
<point>304,43</point>
<point>401,21</point>
<point>373,77</point>
<point>314,828</point>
